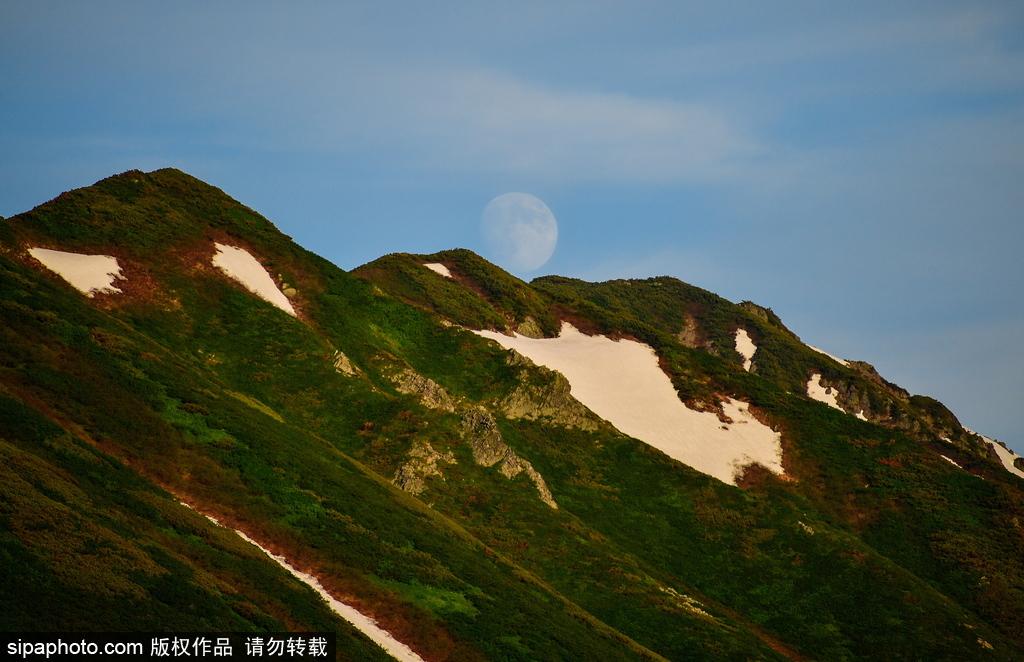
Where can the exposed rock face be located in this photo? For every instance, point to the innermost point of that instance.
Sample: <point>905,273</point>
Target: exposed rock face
<point>513,465</point>
<point>545,394</point>
<point>1019,463</point>
<point>422,464</point>
<point>854,399</point>
<point>529,328</point>
<point>689,336</point>
<point>343,365</point>
<point>868,371</point>
<point>481,431</point>
<point>431,394</point>
<point>687,603</point>
<point>919,416</point>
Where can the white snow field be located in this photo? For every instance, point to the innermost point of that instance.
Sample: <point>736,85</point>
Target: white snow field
<point>438,268</point>
<point>1005,456</point>
<point>87,273</point>
<point>834,358</point>
<point>621,381</point>
<point>356,618</point>
<point>240,265</point>
<point>816,391</point>
<point>746,347</point>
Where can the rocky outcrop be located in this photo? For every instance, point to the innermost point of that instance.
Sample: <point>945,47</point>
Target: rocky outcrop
<point>689,335</point>
<point>530,328</point>
<point>513,465</point>
<point>855,399</point>
<point>481,432</point>
<point>686,603</point>
<point>886,404</point>
<point>422,464</point>
<point>545,395</point>
<point>868,372</point>
<point>430,393</point>
<point>343,365</point>
<point>286,289</point>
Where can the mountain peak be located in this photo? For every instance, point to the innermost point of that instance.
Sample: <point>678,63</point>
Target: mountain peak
<point>626,470</point>
<point>137,211</point>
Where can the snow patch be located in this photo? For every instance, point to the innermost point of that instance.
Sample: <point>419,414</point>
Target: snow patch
<point>359,620</point>
<point>861,415</point>
<point>240,265</point>
<point>438,268</point>
<point>1006,456</point>
<point>745,347</point>
<point>834,358</point>
<point>621,381</point>
<point>816,391</point>
<point>951,461</point>
<point>87,273</point>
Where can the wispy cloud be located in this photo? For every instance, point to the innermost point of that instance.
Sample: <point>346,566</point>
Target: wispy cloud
<point>482,120</point>
<point>847,164</point>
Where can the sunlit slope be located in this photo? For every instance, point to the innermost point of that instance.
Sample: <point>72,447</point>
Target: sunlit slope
<point>89,545</point>
<point>191,383</point>
<point>621,381</point>
<point>302,430</point>
<point>887,482</point>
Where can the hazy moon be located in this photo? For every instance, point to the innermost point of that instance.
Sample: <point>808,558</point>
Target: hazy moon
<point>520,231</point>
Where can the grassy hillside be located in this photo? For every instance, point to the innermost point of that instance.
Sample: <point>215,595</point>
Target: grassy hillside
<point>874,546</point>
<point>87,544</point>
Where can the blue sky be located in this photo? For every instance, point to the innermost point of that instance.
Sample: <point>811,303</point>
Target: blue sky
<point>859,169</point>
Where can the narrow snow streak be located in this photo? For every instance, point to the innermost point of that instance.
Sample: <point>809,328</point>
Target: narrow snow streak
<point>360,621</point>
<point>834,358</point>
<point>622,382</point>
<point>816,391</point>
<point>951,461</point>
<point>240,265</point>
<point>746,347</point>
<point>439,268</point>
<point>87,273</point>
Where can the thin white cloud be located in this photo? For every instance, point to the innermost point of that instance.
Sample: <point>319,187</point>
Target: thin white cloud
<point>444,119</point>
<point>961,32</point>
<point>490,122</point>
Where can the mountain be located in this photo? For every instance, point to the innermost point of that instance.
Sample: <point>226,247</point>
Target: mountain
<point>484,468</point>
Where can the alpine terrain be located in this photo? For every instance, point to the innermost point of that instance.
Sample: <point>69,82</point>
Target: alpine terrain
<point>206,427</point>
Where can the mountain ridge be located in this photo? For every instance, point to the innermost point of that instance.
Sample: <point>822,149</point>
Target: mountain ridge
<point>819,564</point>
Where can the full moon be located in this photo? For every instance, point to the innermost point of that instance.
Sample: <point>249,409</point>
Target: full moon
<point>520,231</point>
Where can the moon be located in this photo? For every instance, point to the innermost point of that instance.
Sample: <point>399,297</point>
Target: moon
<point>520,231</point>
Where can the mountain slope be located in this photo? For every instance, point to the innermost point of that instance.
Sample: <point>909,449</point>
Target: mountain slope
<point>461,495</point>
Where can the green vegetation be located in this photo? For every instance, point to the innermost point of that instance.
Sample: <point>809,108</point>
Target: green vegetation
<point>872,547</point>
<point>86,544</point>
<point>479,294</point>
